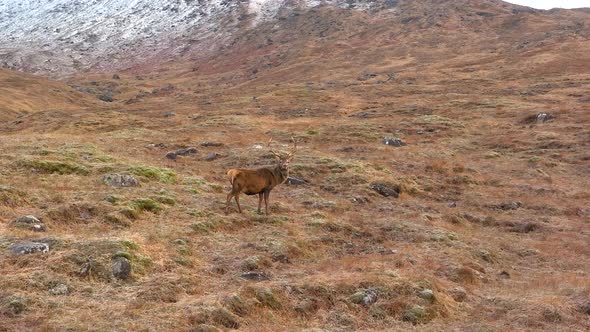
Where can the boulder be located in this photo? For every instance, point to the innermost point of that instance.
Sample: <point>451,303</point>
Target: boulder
<point>120,180</point>
<point>122,268</point>
<point>29,222</point>
<point>28,247</point>
<point>391,141</point>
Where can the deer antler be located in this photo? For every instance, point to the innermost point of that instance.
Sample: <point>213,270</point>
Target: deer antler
<point>294,147</point>
<point>271,150</point>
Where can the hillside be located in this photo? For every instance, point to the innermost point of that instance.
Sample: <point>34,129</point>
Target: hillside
<point>478,221</point>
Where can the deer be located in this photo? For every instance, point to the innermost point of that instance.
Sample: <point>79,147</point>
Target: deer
<point>259,181</point>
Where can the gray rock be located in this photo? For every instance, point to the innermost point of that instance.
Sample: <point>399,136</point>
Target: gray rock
<point>122,268</point>
<point>120,180</point>
<point>60,289</point>
<point>543,117</point>
<point>366,297</point>
<point>211,144</point>
<point>171,155</point>
<point>184,152</point>
<point>212,156</point>
<point>427,294</point>
<point>295,181</point>
<point>106,98</point>
<point>29,222</point>
<point>386,189</point>
<point>28,247</point>
<point>256,276</point>
<point>393,141</point>
<point>169,114</point>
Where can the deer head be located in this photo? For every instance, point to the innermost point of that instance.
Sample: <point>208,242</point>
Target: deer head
<point>283,160</point>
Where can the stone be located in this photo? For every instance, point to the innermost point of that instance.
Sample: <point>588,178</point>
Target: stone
<point>543,117</point>
<point>366,297</point>
<point>186,151</point>
<point>295,181</point>
<point>116,77</point>
<point>427,294</point>
<point>106,98</point>
<point>391,141</point>
<point>254,275</point>
<point>211,144</point>
<point>171,155</point>
<point>212,156</point>
<point>386,189</point>
<point>60,289</point>
<point>28,247</point>
<point>120,180</point>
<point>29,222</point>
<point>169,114</point>
<point>122,268</point>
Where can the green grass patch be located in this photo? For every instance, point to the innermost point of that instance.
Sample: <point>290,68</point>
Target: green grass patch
<point>154,173</point>
<point>54,167</point>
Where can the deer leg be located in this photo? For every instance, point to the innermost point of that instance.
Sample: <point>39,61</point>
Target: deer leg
<point>266,194</point>
<point>229,196</point>
<point>237,197</point>
<point>259,201</point>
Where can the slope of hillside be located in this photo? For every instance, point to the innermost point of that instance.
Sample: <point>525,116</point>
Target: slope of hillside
<point>478,222</point>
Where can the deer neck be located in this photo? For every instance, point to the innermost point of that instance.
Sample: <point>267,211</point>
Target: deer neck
<point>281,175</point>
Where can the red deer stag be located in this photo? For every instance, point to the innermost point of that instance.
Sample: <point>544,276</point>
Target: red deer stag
<point>259,181</point>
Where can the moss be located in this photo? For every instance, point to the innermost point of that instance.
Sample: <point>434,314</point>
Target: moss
<point>267,298</point>
<point>55,167</point>
<point>154,173</point>
<point>123,254</point>
<point>145,204</point>
<point>165,200</point>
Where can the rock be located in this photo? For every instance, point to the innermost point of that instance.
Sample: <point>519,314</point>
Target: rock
<point>386,189</point>
<point>366,297</point>
<point>106,98</point>
<point>366,76</point>
<point>295,181</point>
<point>543,117</point>
<point>414,314</point>
<point>485,255</point>
<point>458,294</point>
<point>212,156</point>
<point>256,276</point>
<point>29,222</point>
<point>60,289</point>
<point>506,206</point>
<point>171,155</point>
<point>169,114</point>
<point>120,180</point>
<point>427,294</point>
<point>28,247</point>
<point>116,77</point>
<point>393,141</point>
<point>184,152</point>
<point>211,144</point>
<point>359,200</point>
<point>122,268</point>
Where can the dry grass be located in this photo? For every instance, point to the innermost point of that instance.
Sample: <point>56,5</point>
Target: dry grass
<point>468,159</point>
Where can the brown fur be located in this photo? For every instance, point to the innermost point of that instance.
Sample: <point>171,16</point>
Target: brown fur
<point>258,181</point>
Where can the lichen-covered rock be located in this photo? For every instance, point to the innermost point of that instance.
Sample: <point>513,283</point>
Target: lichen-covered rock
<point>386,189</point>
<point>121,268</point>
<point>28,247</point>
<point>391,141</point>
<point>120,180</point>
<point>365,297</point>
<point>60,289</point>
<point>29,222</point>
